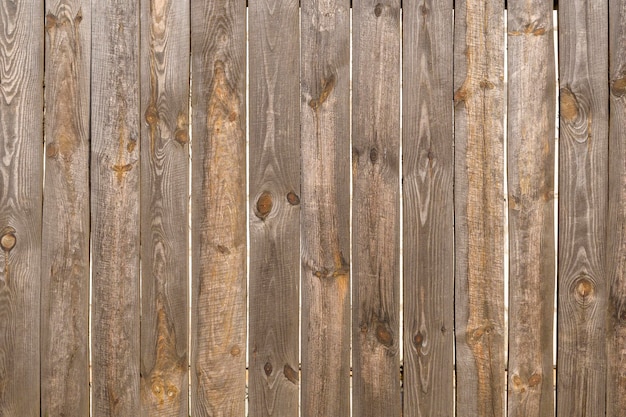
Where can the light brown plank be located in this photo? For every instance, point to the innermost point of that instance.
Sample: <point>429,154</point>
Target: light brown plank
<point>428,219</point>
<point>325,227</point>
<point>479,210</point>
<point>21,138</point>
<point>219,208</point>
<point>376,208</point>
<point>65,249</point>
<point>164,201</point>
<point>115,198</point>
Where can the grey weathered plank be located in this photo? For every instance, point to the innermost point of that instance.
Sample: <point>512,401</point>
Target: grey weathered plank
<point>219,208</point>
<point>21,121</point>
<point>164,201</point>
<point>479,209</point>
<point>583,153</point>
<point>274,207</point>
<point>325,227</point>
<point>115,208</point>
<point>428,219</point>
<point>376,208</point>
<point>65,249</point>
<point>531,112</point>
<point>616,220</point>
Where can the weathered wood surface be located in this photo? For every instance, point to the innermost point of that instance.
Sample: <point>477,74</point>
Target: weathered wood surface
<point>219,213</point>
<point>21,121</point>
<point>65,249</point>
<point>479,208</point>
<point>274,207</point>
<point>164,201</point>
<point>583,153</point>
<point>616,219</point>
<point>428,174</point>
<point>325,227</point>
<point>376,208</point>
<point>531,143</point>
<point>115,208</point>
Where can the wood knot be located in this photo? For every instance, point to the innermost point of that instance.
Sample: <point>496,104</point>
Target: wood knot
<point>264,205</point>
<point>293,198</point>
<point>290,374</point>
<point>424,9</point>
<point>52,150</point>
<point>584,288</point>
<point>383,335</point>
<point>235,351</point>
<point>534,380</point>
<point>373,155</point>
<point>378,10</point>
<point>268,369</point>
<point>8,240</point>
<point>151,115</point>
<point>618,87</point>
<point>181,136</point>
<point>569,104</point>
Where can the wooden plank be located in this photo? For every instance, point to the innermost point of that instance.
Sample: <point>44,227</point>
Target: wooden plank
<point>428,174</point>
<point>616,219</point>
<point>219,208</point>
<point>479,209</point>
<point>583,153</point>
<point>325,227</point>
<point>531,112</point>
<point>65,249</point>
<point>164,201</point>
<point>21,121</point>
<point>115,208</point>
<point>274,207</point>
<point>376,208</point>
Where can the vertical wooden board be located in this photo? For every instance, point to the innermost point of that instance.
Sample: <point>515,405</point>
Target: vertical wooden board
<point>583,153</point>
<point>479,209</point>
<point>376,208</point>
<point>274,207</point>
<point>65,249</point>
<point>219,208</point>
<point>21,121</point>
<point>164,201</point>
<point>616,220</point>
<point>428,215</point>
<point>325,227</point>
<point>115,167</point>
<point>531,112</point>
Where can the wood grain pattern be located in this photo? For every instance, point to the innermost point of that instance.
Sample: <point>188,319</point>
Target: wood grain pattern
<point>274,207</point>
<point>65,249</point>
<point>219,208</point>
<point>531,112</point>
<point>616,219</point>
<point>376,208</point>
<point>479,209</point>
<point>164,201</point>
<point>583,153</point>
<point>21,121</point>
<point>325,227</point>
<point>428,174</point>
<point>115,208</point>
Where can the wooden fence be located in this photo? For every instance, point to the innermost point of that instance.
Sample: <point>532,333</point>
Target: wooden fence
<point>314,325</point>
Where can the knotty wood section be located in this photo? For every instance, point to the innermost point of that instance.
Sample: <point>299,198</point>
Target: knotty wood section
<point>274,207</point>
<point>531,111</point>
<point>583,153</point>
<point>376,208</point>
<point>428,174</point>
<point>325,228</point>
<point>21,121</point>
<point>219,208</point>
<point>164,201</point>
<point>65,249</point>
<point>479,209</point>
<point>115,208</point>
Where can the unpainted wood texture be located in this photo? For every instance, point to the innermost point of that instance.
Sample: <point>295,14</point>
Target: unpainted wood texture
<point>376,208</point>
<point>21,121</point>
<point>274,207</point>
<point>531,140</point>
<point>479,207</point>
<point>428,174</point>
<point>616,220</point>
<point>65,249</point>
<point>325,228</point>
<point>219,208</point>
<point>583,153</point>
<point>115,208</point>
<point>164,202</point>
